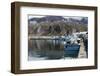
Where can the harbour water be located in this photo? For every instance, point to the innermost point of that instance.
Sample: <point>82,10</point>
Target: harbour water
<point>48,50</point>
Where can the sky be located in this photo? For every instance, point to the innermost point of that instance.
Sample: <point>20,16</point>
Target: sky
<point>32,16</point>
<point>74,17</point>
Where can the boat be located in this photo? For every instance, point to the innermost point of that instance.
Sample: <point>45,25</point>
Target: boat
<point>71,46</point>
<point>71,50</point>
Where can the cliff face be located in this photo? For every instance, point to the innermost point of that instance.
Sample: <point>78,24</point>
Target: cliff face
<point>56,25</point>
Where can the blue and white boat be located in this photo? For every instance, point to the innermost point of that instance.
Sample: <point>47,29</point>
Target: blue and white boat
<point>71,50</point>
<point>71,47</point>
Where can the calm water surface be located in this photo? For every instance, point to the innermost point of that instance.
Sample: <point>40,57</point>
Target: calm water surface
<point>46,50</point>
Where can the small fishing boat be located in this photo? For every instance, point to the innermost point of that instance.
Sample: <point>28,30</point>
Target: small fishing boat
<point>71,50</point>
<point>71,47</point>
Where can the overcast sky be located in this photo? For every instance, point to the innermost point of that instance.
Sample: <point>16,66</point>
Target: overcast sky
<point>74,17</point>
<point>31,16</point>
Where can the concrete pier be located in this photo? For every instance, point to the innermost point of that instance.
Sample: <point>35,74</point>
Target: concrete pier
<point>82,52</point>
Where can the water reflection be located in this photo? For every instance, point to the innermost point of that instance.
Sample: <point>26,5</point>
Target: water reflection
<point>46,50</point>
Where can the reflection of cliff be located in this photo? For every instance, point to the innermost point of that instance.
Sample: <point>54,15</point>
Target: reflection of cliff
<point>45,44</point>
<point>55,25</point>
<point>50,49</point>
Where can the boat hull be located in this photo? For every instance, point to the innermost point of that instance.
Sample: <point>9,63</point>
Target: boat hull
<point>71,50</point>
